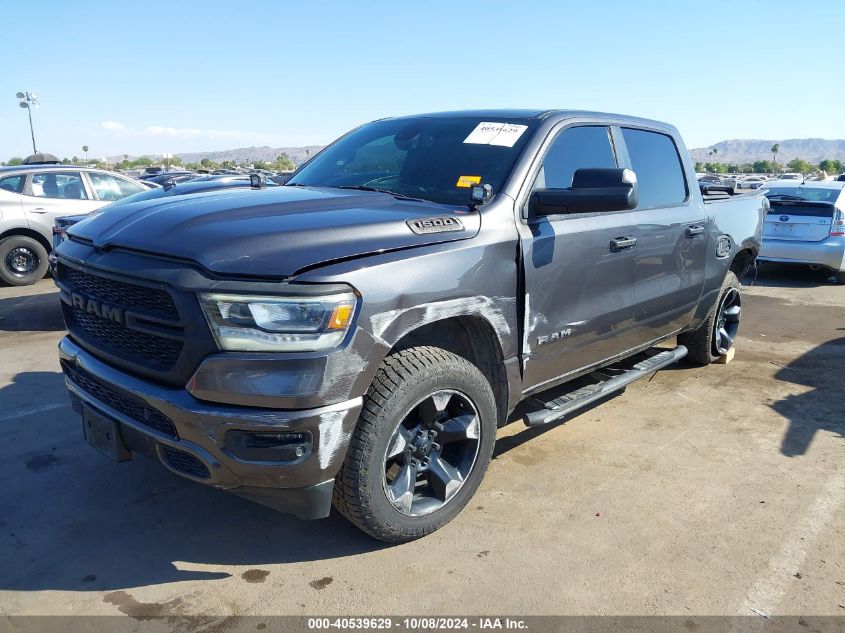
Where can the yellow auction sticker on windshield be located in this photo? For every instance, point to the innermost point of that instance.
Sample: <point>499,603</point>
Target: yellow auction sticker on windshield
<point>468,181</point>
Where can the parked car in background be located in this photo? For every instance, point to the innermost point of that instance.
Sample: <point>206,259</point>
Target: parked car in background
<point>840,178</point>
<point>790,176</point>
<point>151,171</point>
<point>753,182</point>
<point>232,178</point>
<point>177,176</point>
<point>806,225</point>
<point>719,181</point>
<point>32,197</point>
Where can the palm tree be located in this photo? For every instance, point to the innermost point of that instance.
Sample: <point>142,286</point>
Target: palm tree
<point>85,149</point>
<point>775,150</point>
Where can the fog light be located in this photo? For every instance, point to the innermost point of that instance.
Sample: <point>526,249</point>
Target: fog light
<point>281,447</point>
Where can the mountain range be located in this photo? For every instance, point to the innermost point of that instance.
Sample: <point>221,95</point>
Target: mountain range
<point>240,155</point>
<point>812,150</point>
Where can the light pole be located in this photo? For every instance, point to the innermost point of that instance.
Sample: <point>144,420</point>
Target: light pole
<point>27,100</point>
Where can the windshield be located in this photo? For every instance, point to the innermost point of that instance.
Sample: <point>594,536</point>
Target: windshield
<point>435,159</point>
<point>815,194</point>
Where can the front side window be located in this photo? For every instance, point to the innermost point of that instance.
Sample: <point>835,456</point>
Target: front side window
<point>575,148</point>
<point>432,158</point>
<point>62,185</point>
<point>655,160</point>
<point>13,183</point>
<point>108,187</point>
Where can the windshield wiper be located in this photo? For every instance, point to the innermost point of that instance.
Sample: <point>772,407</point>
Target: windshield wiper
<point>398,196</point>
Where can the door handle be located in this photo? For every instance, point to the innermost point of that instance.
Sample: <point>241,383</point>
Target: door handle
<point>694,230</point>
<point>39,210</point>
<point>621,243</point>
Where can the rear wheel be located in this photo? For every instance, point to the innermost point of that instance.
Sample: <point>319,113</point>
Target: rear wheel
<point>840,277</point>
<point>23,260</point>
<point>715,337</point>
<point>421,447</point>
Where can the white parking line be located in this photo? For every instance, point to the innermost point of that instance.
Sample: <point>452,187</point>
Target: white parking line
<point>20,413</point>
<point>767,592</point>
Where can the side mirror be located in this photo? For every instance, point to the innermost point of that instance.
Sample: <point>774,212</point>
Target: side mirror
<point>593,190</point>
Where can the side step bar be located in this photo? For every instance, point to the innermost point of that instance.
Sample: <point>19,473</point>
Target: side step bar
<point>567,403</point>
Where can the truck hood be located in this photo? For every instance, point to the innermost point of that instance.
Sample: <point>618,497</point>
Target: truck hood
<point>274,232</point>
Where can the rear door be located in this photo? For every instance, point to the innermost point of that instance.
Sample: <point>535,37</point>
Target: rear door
<point>672,231</point>
<point>578,288</point>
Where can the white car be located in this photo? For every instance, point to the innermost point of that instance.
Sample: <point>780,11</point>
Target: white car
<point>33,196</point>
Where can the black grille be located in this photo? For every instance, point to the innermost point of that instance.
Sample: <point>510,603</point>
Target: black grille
<point>128,405</point>
<point>139,344</point>
<point>152,300</point>
<point>158,350</point>
<point>185,463</point>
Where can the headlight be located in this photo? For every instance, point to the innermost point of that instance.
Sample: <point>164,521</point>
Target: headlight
<point>252,323</point>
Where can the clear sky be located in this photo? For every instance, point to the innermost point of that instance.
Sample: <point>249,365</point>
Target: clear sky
<point>156,77</point>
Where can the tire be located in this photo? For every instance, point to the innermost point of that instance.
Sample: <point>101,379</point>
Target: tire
<point>840,277</point>
<point>707,343</point>
<point>23,260</point>
<point>412,387</point>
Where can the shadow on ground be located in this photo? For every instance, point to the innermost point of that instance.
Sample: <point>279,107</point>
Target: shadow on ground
<point>31,313</point>
<point>774,275</point>
<point>72,520</point>
<point>819,409</point>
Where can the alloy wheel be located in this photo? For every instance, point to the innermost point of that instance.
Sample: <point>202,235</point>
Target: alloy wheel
<point>431,453</point>
<point>727,321</point>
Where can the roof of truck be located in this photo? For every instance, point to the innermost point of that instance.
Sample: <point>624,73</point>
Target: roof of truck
<point>516,113</point>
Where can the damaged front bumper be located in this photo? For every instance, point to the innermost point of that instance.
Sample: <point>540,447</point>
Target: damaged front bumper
<point>285,459</point>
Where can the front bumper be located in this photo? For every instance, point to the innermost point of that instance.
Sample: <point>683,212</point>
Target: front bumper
<point>829,252</point>
<point>198,433</point>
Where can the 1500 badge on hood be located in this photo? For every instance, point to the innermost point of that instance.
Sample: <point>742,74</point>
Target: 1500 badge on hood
<point>435,225</point>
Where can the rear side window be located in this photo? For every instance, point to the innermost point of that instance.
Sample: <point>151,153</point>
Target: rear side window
<point>655,160</point>
<point>63,185</point>
<point>13,183</point>
<point>573,149</point>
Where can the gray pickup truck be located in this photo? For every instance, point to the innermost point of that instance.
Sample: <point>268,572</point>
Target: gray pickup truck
<point>357,336</point>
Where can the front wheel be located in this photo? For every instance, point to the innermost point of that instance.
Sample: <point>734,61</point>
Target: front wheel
<point>715,337</point>
<point>23,260</point>
<point>421,447</point>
